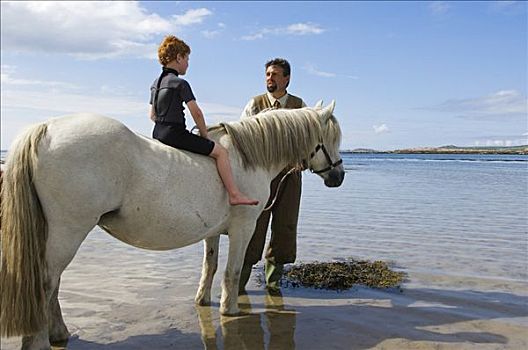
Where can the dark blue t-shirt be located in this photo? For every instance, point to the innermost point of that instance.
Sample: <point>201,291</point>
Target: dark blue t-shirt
<point>172,92</point>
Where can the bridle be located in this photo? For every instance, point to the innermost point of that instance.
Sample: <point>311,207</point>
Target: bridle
<point>331,165</point>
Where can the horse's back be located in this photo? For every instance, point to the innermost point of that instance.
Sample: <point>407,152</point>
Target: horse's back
<point>87,129</point>
<point>82,164</point>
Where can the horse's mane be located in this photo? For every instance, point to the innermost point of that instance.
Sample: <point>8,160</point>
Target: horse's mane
<point>275,137</point>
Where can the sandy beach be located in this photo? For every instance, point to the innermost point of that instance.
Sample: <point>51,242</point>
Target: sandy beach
<point>115,297</point>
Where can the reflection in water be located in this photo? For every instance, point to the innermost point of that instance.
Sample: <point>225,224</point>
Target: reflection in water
<point>247,331</point>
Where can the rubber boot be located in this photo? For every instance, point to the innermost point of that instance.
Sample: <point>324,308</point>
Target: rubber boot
<point>273,272</point>
<point>244,278</point>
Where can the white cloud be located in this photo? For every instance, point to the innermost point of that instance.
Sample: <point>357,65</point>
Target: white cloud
<point>313,70</point>
<point>60,102</point>
<point>310,68</point>
<point>88,30</point>
<point>292,29</point>
<point>255,36</point>
<point>210,34</point>
<point>194,16</point>
<point>381,129</point>
<point>502,141</point>
<point>304,29</point>
<point>21,108</point>
<point>439,7</point>
<point>503,103</point>
<point>216,112</point>
<point>7,80</point>
<point>499,143</point>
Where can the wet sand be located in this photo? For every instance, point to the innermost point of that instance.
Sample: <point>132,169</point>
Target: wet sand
<point>117,297</point>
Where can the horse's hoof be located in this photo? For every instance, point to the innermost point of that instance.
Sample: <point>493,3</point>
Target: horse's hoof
<point>59,342</point>
<point>230,313</point>
<point>202,302</point>
<point>59,336</point>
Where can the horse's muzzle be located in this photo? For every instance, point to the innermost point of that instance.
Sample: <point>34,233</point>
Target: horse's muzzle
<point>334,178</point>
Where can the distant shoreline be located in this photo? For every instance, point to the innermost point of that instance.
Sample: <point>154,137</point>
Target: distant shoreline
<point>515,150</point>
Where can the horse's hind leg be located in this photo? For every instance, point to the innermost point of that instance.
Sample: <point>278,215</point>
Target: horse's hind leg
<point>41,340</point>
<point>61,246</point>
<point>210,264</point>
<point>58,332</point>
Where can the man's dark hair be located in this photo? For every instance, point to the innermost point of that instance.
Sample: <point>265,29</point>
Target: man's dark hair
<point>281,62</point>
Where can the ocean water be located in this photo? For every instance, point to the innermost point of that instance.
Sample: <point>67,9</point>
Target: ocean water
<point>447,220</point>
<point>455,219</point>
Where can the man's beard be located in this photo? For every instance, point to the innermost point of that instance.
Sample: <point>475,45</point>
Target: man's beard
<point>271,88</point>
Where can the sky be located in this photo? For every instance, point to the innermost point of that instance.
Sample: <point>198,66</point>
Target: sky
<point>403,74</point>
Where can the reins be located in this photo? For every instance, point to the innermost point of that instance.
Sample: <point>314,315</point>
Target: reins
<point>278,189</point>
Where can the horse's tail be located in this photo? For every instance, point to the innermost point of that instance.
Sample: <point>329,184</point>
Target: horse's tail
<point>23,241</point>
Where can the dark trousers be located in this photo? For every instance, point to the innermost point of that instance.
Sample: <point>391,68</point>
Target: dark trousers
<point>284,214</point>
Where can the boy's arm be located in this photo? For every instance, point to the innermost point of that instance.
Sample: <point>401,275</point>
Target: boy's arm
<point>198,117</point>
<point>152,113</point>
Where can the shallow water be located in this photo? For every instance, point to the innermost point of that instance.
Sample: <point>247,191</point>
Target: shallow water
<point>461,216</point>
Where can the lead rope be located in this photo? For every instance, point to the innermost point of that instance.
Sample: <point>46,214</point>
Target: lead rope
<point>278,189</point>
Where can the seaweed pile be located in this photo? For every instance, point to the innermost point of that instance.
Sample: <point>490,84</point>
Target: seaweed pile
<point>341,275</point>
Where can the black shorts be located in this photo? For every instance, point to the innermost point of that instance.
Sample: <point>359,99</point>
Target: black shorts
<point>181,138</point>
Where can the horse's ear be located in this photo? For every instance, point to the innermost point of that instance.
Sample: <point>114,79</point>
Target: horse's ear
<point>319,104</point>
<point>328,111</point>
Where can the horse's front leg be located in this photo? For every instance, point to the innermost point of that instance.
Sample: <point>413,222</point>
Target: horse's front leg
<point>239,237</point>
<point>210,264</point>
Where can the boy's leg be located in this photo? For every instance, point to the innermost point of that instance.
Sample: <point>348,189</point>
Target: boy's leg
<point>183,139</point>
<point>219,153</point>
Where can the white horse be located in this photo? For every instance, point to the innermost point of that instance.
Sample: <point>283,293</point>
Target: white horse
<point>69,174</point>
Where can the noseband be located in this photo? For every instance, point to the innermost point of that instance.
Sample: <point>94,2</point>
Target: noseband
<point>331,165</point>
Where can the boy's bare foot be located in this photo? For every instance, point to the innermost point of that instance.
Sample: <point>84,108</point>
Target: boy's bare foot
<point>240,199</point>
